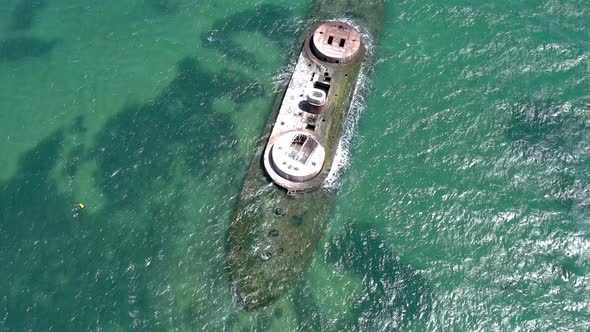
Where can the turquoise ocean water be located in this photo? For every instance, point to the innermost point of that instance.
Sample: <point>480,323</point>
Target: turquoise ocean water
<point>464,203</point>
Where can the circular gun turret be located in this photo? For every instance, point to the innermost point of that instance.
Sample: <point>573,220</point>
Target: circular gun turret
<point>336,42</point>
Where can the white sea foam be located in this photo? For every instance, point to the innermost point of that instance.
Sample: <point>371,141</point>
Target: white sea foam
<point>281,79</point>
<point>357,108</point>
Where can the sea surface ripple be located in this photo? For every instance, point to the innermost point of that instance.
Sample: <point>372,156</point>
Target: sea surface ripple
<point>463,200</point>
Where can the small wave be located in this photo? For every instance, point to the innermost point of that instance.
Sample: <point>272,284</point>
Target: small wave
<point>342,157</point>
<point>357,107</point>
<point>281,78</point>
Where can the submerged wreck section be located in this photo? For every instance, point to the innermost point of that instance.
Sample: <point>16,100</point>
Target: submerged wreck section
<point>283,211</point>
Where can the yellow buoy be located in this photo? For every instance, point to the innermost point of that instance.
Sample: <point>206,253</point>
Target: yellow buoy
<point>81,206</point>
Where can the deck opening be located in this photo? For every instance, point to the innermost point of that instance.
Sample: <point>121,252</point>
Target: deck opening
<point>330,40</point>
<point>322,86</point>
<point>301,148</point>
<point>342,42</point>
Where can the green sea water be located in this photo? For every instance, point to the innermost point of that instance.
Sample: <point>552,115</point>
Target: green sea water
<point>463,203</point>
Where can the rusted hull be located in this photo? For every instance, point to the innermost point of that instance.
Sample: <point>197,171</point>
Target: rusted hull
<point>274,236</point>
